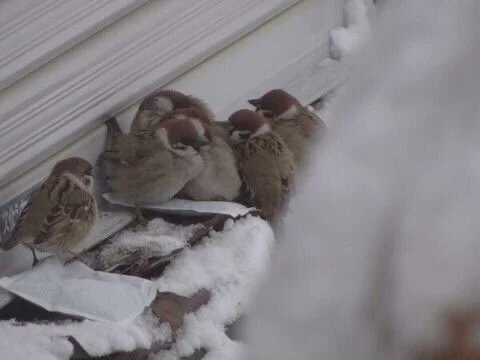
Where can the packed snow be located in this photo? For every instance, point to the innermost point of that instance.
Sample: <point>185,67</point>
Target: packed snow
<point>229,263</point>
<point>385,226</point>
<point>356,30</point>
<point>159,238</point>
<point>49,342</point>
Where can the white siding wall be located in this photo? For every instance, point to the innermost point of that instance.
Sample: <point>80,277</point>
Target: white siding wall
<point>220,50</point>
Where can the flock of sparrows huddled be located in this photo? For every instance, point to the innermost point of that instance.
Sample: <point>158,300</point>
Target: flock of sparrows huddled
<point>176,148</point>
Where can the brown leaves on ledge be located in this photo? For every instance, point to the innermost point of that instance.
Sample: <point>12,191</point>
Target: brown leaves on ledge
<point>171,308</point>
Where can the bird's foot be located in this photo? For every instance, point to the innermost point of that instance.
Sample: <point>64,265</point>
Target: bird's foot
<point>35,259</point>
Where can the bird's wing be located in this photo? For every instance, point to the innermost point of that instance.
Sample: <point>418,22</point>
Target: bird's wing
<point>70,205</point>
<point>260,170</point>
<point>202,106</point>
<point>286,166</point>
<point>314,118</point>
<point>113,131</point>
<point>27,224</point>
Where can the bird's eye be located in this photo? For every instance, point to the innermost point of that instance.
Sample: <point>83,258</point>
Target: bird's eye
<point>244,135</point>
<point>240,135</point>
<point>88,180</point>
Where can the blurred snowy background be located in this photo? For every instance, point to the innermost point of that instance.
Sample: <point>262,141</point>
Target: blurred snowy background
<point>381,241</point>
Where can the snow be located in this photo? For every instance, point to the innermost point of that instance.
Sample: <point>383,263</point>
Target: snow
<point>158,239</point>
<point>348,39</point>
<point>49,342</point>
<point>230,264</point>
<point>385,226</point>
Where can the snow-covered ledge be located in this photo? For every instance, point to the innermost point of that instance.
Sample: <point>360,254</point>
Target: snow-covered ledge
<point>32,32</point>
<point>76,91</point>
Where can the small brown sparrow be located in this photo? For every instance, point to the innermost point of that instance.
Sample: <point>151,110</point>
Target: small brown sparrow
<point>293,122</point>
<point>266,164</point>
<point>159,105</point>
<point>152,166</point>
<point>61,213</point>
<point>219,178</point>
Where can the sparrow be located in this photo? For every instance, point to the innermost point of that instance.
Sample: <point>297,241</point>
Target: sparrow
<point>266,164</point>
<point>216,128</point>
<point>159,105</point>
<point>219,178</point>
<point>152,166</point>
<point>60,213</point>
<point>293,122</point>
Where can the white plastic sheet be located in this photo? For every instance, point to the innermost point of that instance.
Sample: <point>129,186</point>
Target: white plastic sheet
<point>77,290</point>
<point>189,207</point>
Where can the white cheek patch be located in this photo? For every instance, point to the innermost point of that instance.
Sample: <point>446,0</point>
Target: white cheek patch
<point>163,104</point>
<point>197,124</point>
<point>162,135</point>
<point>185,151</point>
<point>146,119</point>
<point>265,113</point>
<point>262,130</point>
<point>289,114</point>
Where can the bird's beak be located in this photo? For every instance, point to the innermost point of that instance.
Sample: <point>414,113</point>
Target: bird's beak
<point>254,102</point>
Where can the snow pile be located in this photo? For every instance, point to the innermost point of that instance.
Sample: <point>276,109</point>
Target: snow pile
<point>49,342</point>
<point>346,40</point>
<point>230,264</point>
<point>158,239</point>
<point>385,227</point>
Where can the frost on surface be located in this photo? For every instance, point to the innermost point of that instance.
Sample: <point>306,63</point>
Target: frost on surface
<point>229,264</point>
<point>158,239</point>
<point>49,342</point>
<point>356,30</point>
<point>385,227</point>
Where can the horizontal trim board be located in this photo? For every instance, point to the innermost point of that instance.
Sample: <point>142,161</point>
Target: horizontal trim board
<point>179,37</point>
<point>49,27</point>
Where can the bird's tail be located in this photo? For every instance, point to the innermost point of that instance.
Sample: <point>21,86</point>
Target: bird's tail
<point>113,130</point>
<point>10,243</point>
